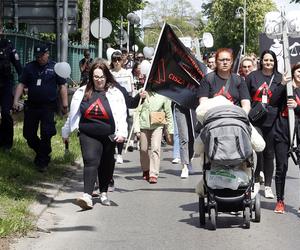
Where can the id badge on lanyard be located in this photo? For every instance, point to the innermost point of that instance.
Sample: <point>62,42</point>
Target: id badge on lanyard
<point>264,97</point>
<point>39,82</point>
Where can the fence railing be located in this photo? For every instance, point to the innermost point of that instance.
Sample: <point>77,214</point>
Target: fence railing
<point>24,43</point>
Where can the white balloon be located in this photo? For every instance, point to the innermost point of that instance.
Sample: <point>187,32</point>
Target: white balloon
<point>152,51</point>
<point>135,48</point>
<point>109,52</point>
<point>148,52</point>
<point>63,69</point>
<point>145,67</point>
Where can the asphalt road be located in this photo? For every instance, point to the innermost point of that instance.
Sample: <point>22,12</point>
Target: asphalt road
<point>159,216</point>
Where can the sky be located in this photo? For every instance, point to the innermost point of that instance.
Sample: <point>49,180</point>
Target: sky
<point>198,3</point>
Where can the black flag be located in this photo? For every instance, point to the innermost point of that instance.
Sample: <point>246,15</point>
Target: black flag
<point>175,72</point>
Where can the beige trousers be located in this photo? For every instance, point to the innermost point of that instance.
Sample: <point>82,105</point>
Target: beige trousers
<point>150,143</point>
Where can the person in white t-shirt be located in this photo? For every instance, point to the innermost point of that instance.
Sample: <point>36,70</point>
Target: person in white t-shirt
<point>125,79</point>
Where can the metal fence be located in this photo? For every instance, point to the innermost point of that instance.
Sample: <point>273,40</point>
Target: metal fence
<point>24,43</point>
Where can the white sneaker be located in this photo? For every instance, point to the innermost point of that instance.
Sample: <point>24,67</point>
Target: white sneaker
<point>85,202</point>
<point>184,172</point>
<point>104,200</point>
<point>268,193</point>
<point>176,160</point>
<point>256,190</point>
<point>119,159</point>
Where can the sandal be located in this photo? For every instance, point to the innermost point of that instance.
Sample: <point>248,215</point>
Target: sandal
<point>153,180</point>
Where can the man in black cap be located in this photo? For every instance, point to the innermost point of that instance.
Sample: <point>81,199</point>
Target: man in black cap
<point>42,83</point>
<point>8,56</point>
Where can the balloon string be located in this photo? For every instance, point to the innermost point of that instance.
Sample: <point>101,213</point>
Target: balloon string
<point>74,83</point>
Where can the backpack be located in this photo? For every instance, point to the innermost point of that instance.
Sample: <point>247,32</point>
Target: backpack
<point>226,136</point>
<point>5,67</point>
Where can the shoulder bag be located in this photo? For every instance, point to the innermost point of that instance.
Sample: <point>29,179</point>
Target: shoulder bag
<point>259,110</point>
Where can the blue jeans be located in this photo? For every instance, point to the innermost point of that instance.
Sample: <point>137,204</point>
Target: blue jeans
<point>186,140</point>
<point>176,147</point>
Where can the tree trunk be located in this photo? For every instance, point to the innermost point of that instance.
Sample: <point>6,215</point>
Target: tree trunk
<point>85,34</point>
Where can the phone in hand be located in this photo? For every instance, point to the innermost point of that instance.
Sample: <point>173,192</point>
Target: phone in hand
<point>112,137</point>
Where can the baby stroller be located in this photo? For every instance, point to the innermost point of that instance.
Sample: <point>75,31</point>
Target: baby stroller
<point>228,166</point>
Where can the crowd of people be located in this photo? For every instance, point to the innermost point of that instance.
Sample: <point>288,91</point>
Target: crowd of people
<point>112,104</point>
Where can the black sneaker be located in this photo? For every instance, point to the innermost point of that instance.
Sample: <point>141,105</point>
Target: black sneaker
<point>41,167</point>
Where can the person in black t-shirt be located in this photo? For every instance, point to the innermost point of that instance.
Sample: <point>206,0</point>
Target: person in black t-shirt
<point>84,66</point>
<point>214,83</point>
<point>98,110</point>
<point>281,132</point>
<point>261,84</point>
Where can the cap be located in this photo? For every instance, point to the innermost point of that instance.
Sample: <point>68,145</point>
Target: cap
<point>40,49</point>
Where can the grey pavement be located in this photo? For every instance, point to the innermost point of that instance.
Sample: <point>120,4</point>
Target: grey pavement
<point>156,216</point>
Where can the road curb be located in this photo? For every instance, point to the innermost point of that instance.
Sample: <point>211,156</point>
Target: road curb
<point>48,191</point>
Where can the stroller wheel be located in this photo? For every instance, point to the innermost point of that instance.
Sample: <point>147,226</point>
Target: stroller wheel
<point>201,211</point>
<point>247,217</point>
<point>213,218</point>
<point>257,209</point>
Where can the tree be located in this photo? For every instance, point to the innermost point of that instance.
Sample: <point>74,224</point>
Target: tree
<point>295,1</point>
<point>85,24</point>
<point>112,10</point>
<point>228,30</point>
<point>178,13</point>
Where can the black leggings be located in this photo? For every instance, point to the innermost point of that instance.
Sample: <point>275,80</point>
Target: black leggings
<point>98,158</point>
<point>265,159</point>
<point>281,153</point>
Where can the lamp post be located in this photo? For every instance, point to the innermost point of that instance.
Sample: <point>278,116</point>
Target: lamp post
<point>238,15</point>
<point>132,19</point>
<point>100,40</point>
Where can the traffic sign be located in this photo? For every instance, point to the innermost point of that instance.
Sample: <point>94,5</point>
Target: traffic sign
<point>106,28</point>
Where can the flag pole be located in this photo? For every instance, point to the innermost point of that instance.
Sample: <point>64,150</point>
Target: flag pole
<point>146,81</point>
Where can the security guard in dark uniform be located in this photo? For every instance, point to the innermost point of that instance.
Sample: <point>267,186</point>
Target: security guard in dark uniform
<point>8,56</point>
<point>42,83</point>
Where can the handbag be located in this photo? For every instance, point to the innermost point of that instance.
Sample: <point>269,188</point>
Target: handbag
<point>260,109</point>
<point>257,112</point>
<point>158,118</point>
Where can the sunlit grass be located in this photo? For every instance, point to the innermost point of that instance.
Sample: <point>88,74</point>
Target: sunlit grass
<point>17,173</point>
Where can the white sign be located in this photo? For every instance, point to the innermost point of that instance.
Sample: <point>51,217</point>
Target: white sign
<point>106,28</point>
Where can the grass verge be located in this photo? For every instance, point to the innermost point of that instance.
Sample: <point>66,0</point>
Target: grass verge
<point>18,174</point>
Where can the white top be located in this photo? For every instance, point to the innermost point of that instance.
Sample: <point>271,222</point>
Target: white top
<point>124,78</point>
<point>117,104</point>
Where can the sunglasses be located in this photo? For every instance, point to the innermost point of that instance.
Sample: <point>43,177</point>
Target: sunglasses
<point>116,59</point>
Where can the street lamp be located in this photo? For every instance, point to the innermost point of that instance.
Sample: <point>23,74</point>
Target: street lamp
<point>132,19</point>
<point>239,15</point>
